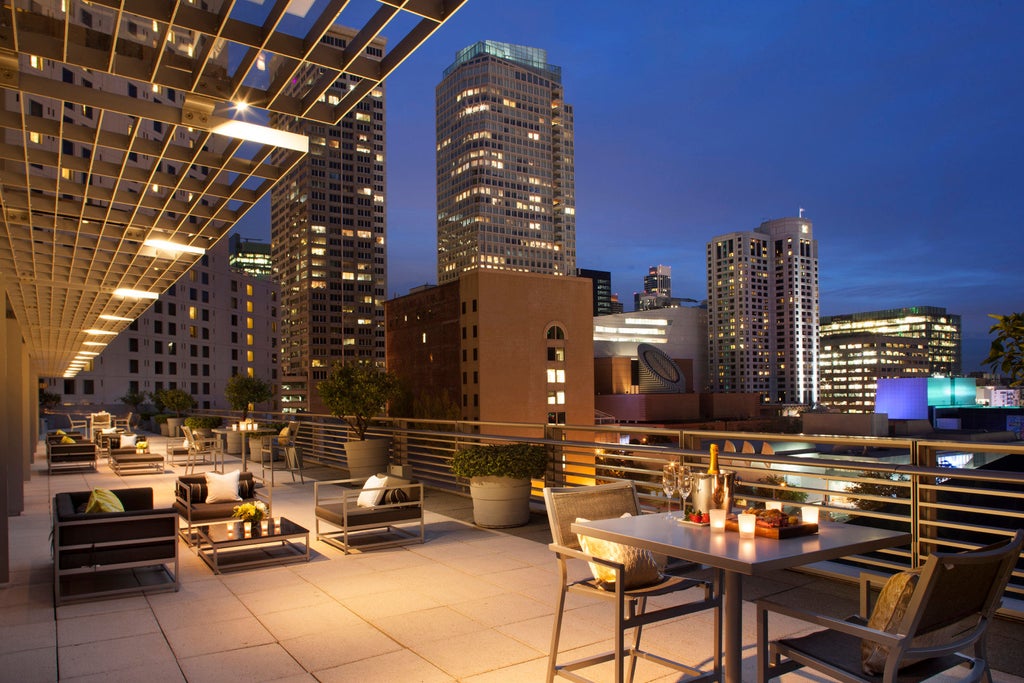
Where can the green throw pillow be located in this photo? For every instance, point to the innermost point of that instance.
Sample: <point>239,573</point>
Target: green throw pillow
<point>103,500</point>
<point>66,439</point>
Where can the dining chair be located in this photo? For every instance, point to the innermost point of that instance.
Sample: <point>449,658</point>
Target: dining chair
<point>198,449</point>
<point>567,504</point>
<point>924,622</point>
<point>282,447</point>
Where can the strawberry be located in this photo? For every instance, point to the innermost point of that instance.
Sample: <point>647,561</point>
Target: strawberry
<point>695,517</point>
<point>705,518</point>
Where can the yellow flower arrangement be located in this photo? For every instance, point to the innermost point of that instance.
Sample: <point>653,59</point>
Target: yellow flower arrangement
<point>250,512</point>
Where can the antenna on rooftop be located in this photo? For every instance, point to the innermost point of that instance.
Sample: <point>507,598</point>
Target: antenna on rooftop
<point>801,212</point>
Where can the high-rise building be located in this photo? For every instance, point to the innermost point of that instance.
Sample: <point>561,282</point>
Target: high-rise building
<point>763,312</point>
<point>215,322</point>
<point>852,363</point>
<point>328,229</point>
<point>250,256</point>
<point>505,164</point>
<point>602,280</point>
<point>939,330</point>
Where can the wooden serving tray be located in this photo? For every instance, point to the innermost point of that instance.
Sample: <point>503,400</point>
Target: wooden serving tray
<point>776,532</point>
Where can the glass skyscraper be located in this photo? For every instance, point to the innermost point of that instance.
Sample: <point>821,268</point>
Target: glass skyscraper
<point>505,169</point>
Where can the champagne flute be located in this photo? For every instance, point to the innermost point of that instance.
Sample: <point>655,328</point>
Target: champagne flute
<point>670,483</point>
<point>684,484</point>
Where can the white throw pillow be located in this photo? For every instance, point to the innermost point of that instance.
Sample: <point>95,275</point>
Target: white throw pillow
<point>184,444</point>
<point>222,488</point>
<point>109,430</point>
<point>369,498</point>
<point>127,440</point>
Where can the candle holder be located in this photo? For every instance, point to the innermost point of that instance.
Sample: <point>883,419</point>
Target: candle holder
<point>809,514</point>
<point>717,520</point>
<point>247,527</point>
<point>263,526</point>
<point>747,523</point>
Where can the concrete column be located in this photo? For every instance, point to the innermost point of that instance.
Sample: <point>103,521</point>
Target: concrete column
<point>5,427</point>
<point>17,415</point>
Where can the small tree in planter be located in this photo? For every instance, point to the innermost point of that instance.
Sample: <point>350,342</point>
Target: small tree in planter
<point>356,393</point>
<point>177,401</point>
<point>499,480</point>
<point>243,391</point>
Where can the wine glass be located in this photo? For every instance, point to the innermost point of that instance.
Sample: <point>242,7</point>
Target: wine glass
<point>684,485</point>
<point>670,483</point>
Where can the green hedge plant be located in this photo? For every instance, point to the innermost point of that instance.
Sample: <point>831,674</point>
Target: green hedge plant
<point>203,422</point>
<point>515,460</point>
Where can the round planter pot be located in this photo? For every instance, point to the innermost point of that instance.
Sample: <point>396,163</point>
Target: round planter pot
<point>174,426</point>
<point>367,458</point>
<point>233,442</point>
<point>500,502</point>
<point>164,430</point>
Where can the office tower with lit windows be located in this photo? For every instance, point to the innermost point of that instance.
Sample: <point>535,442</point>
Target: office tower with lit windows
<point>505,164</point>
<point>763,312</point>
<point>328,229</point>
<point>657,290</point>
<point>939,330</point>
<point>602,280</point>
<point>250,256</point>
<point>851,363</point>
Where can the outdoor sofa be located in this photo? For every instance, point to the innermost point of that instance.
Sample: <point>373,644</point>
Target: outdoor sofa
<point>104,554</point>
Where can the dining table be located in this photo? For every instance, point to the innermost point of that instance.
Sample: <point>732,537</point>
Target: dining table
<point>737,557</point>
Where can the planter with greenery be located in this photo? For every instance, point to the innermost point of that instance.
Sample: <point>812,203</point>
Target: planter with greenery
<point>177,401</point>
<point>356,393</point>
<point>499,481</point>
<point>243,392</point>
<point>203,424</point>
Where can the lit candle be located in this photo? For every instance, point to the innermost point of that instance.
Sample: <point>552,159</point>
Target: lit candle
<point>747,522</point>
<point>809,514</point>
<point>773,505</point>
<point>247,526</point>
<point>717,520</point>
<point>263,525</point>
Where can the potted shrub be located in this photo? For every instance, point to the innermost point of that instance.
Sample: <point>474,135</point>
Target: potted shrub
<point>177,401</point>
<point>203,424</point>
<point>160,422</point>
<point>499,480</point>
<point>243,392</point>
<point>356,393</point>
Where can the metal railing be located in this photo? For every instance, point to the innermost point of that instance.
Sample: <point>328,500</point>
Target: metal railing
<point>949,495</point>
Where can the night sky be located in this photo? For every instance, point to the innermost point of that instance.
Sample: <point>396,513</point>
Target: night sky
<point>896,126</point>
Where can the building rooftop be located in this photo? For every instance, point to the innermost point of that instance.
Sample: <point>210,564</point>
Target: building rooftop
<point>467,605</point>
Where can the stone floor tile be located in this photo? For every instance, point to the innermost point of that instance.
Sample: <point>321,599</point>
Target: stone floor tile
<point>464,655</point>
<point>506,608</point>
<point>31,636</point>
<point>150,649</point>
<point>401,665</point>
<point>30,666</point>
<point>164,672</point>
<point>431,624</point>
<point>200,639</point>
<point>105,626</point>
<point>260,663</point>
<point>301,621</point>
<point>331,647</point>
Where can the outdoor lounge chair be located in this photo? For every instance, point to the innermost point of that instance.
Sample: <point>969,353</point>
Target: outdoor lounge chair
<point>564,506</point>
<point>949,604</point>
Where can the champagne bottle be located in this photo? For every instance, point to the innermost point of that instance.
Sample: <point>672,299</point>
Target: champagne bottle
<point>713,461</point>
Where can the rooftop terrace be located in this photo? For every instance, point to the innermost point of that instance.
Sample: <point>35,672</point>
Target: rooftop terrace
<point>468,605</point>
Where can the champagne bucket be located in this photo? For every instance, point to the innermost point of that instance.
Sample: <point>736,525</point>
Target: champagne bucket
<point>713,491</point>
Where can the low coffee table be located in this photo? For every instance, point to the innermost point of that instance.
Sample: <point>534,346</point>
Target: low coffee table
<point>227,546</point>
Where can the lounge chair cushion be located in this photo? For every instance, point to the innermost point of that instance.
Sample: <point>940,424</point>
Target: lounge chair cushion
<point>886,616</point>
<point>222,488</point>
<point>640,567</point>
<point>373,491</point>
<point>103,500</point>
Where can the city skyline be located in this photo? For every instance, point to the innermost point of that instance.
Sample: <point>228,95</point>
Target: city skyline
<point>891,125</point>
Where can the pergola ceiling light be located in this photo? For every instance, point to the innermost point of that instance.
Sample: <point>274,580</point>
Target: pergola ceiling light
<point>100,332</point>
<point>135,293</point>
<point>117,125</point>
<point>166,245</point>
